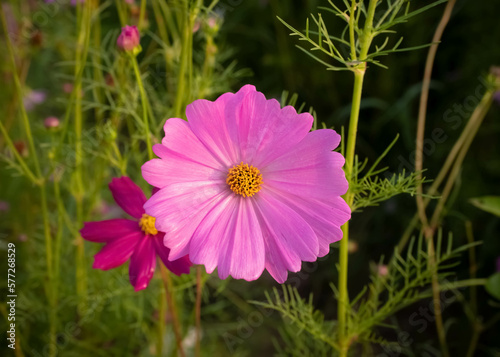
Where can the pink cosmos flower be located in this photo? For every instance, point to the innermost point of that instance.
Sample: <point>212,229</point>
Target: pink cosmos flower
<point>137,239</point>
<point>244,186</point>
<point>129,38</point>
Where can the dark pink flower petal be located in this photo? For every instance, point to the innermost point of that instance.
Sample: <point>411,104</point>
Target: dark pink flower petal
<point>128,196</point>
<point>104,231</point>
<point>290,239</point>
<point>230,238</point>
<point>117,252</point>
<point>142,264</point>
<point>310,169</point>
<point>178,266</point>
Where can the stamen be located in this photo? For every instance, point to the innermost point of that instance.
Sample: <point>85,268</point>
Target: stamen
<point>244,180</point>
<point>147,224</point>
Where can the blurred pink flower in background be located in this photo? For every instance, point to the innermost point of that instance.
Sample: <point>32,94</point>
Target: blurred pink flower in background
<point>135,239</point>
<point>68,87</point>
<point>33,98</point>
<point>4,206</point>
<point>196,25</point>
<point>129,38</point>
<point>245,186</point>
<point>382,269</point>
<point>51,123</point>
<point>496,97</point>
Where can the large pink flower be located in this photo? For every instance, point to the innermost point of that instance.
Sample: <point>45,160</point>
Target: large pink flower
<point>137,239</point>
<point>244,186</point>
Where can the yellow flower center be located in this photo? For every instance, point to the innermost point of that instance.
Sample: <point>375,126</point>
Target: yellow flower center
<point>147,224</point>
<point>244,180</point>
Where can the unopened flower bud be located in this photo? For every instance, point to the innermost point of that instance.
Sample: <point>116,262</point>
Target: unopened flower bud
<point>51,123</point>
<point>383,270</point>
<point>129,40</point>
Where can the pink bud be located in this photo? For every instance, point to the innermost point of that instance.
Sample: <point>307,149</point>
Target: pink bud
<point>129,38</point>
<point>51,122</point>
<point>383,270</point>
<point>212,22</point>
<point>68,87</point>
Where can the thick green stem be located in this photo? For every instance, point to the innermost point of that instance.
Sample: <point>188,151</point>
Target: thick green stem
<point>349,197</point>
<point>359,70</point>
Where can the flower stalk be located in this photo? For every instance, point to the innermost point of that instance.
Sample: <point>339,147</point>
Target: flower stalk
<point>359,70</point>
<point>144,102</point>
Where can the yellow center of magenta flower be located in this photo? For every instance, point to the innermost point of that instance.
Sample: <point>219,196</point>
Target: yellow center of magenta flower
<point>147,224</point>
<point>244,180</point>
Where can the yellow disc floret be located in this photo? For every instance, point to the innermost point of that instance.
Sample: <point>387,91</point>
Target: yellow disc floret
<point>147,224</point>
<point>244,180</point>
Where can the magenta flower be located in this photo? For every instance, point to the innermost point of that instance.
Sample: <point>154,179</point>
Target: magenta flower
<point>244,186</point>
<point>137,239</point>
<point>129,39</point>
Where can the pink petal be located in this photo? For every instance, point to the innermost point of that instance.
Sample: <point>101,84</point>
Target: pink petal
<point>175,169</point>
<point>325,218</point>
<point>128,196</point>
<point>179,266</point>
<point>142,264</point>
<point>180,139</point>
<point>117,252</point>
<point>310,169</point>
<point>179,208</point>
<point>261,129</point>
<point>230,237</point>
<point>289,239</point>
<point>104,231</point>
<point>207,121</point>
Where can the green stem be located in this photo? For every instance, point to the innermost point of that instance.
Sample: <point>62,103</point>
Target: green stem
<point>144,106</point>
<point>41,182</point>
<point>182,92</point>
<point>343,301</point>
<point>468,133</point>
<point>142,15</point>
<point>477,118</point>
<point>167,282</point>
<point>199,288</point>
<point>161,318</point>
<point>359,70</point>
<point>84,25</point>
